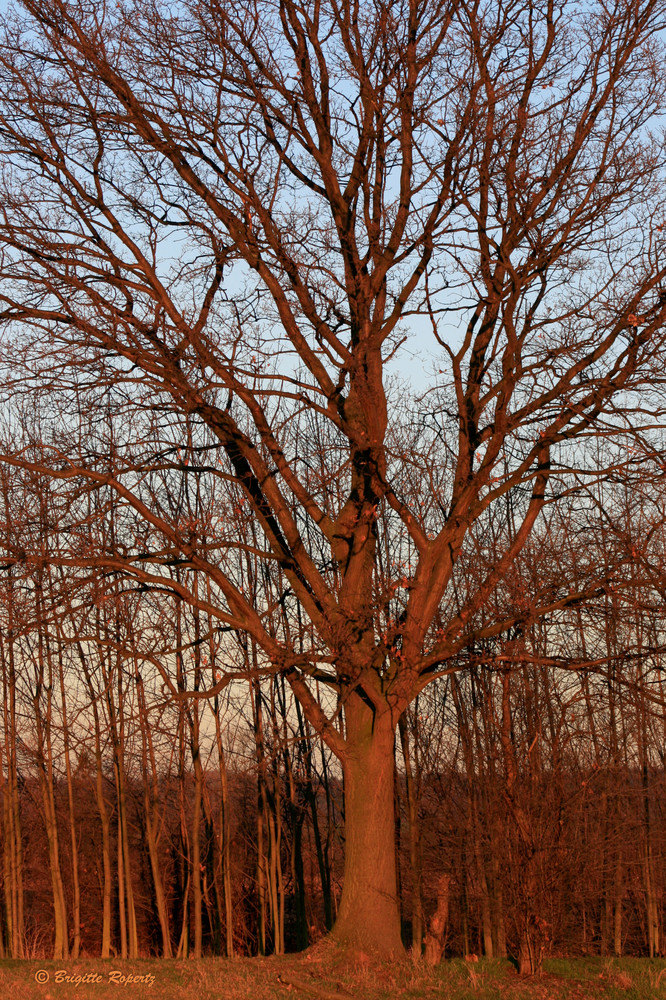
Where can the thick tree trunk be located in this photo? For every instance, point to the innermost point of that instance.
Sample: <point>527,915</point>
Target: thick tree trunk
<point>368,917</point>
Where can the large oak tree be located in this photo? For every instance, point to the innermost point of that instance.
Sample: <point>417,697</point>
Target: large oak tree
<point>223,217</point>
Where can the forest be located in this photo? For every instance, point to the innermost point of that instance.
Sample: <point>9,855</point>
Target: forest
<point>333,478</point>
<point>141,819</point>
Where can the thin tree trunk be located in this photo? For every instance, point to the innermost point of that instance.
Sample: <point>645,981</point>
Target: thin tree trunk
<point>76,889</point>
<point>12,841</point>
<point>274,816</point>
<point>261,813</point>
<point>105,822</point>
<point>414,839</point>
<point>530,943</point>
<point>13,845</point>
<point>321,847</point>
<point>185,872</point>
<point>106,851</point>
<point>151,807</point>
<point>126,900</point>
<point>196,844</point>
<point>498,905</point>
<point>617,910</point>
<point>43,713</point>
<point>120,869</point>
<point>225,837</point>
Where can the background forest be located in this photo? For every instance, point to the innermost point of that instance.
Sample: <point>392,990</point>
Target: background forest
<point>138,818</point>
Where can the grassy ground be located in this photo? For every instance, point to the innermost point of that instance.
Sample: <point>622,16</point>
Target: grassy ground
<point>317,978</point>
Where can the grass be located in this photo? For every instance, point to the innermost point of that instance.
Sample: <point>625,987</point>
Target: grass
<point>310,977</point>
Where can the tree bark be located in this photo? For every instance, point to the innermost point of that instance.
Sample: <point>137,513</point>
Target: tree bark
<point>43,709</point>
<point>435,939</point>
<point>321,846</point>
<point>12,836</point>
<point>102,805</point>
<point>225,838</point>
<point>151,805</point>
<point>76,889</point>
<point>411,780</point>
<point>368,917</point>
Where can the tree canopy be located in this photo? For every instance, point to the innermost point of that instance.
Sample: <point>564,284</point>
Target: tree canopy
<point>223,222</point>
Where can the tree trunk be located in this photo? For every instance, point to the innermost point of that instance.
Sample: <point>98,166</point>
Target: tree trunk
<point>435,939</point>
<point>225,839</point>
<point>321,847</point>
<point>43,707</point>
<point>499,929</point>
<point>368,917</point>
<point>106,851</point>
<point>530,953</point>
<point>76,889</point>
<point>197,897</point>
<point>411,780</point>
<point>617,903</point>
<point>12,836</point>
<point>122,919</point>
<point>255,695</point>
<point>102,807</point>
<point>151,807</point>
<point>60,944</point>
<point>125,863</point>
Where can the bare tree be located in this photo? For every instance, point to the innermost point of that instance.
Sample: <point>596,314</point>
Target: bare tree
<point>232,215</point>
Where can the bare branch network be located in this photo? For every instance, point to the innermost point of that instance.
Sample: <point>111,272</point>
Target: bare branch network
<point>224,226</point>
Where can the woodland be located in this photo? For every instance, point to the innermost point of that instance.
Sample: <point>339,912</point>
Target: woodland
<point>333,478</point>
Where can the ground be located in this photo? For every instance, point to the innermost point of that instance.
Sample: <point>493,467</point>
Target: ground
<point>323,978</point>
